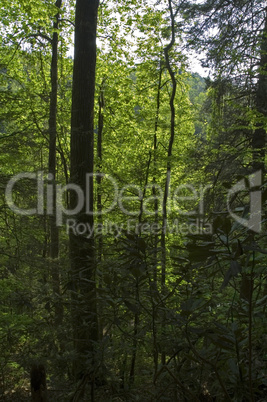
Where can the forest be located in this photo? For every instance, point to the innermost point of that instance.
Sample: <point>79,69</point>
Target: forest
<point>133,225</point>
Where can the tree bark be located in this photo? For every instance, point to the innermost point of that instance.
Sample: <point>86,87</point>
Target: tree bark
<point>54,233</point>
<point>154,288</point>
<point>101,105</point>
<point>258,139</point>
<point>259,136</point>
<point>38,384</point>
<point>168,173</point>
<point>82,256</point>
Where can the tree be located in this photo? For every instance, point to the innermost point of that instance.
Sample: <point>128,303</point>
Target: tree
<point>54,230</point>
<point>234,38</point>
<point>82,256</point>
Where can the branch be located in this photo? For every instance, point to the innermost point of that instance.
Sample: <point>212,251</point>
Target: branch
<point>40,35</point>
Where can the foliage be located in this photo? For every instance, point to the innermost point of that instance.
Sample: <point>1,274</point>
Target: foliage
<point>195,330</point>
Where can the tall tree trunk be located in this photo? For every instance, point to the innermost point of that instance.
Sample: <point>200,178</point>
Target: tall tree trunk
<point>259,136</point>
<point>258,140</point>
<point>168,173</point>
<point>101,104</point>
<point>82,256</point>
<point>258,163</point>
<point>54,234</point>
<point>154,288</point>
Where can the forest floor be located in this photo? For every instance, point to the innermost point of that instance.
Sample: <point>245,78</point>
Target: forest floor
<point>101,395</point>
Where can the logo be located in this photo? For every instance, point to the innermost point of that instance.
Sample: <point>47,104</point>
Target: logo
<point>184,201</point>
<point>253,184</point>
<point>49,198</point>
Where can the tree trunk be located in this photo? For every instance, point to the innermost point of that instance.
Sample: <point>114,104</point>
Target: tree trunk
<point>168,173</point>
<point>54,234</point>
<point>38,384</point>
<point>258,140</point>
<point>259,136</point>
<point>154,288</point>
<point>82,256</point>
<point>101,105</point>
